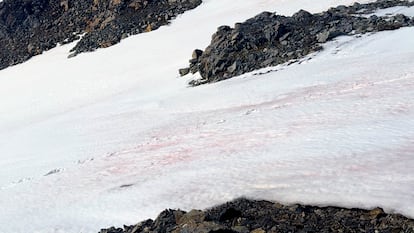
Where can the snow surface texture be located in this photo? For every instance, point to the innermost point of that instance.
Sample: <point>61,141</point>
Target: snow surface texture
<point>113,137</point>
<point>408,11</point>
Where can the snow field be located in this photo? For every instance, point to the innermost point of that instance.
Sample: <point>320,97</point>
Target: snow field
<point>114,137</point>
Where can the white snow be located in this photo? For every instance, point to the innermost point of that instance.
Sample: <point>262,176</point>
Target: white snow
<point>114,137</point>
<point>408,11</point>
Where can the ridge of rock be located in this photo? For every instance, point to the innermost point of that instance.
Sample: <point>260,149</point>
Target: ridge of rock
<point>250,216</point>
<point>30,27</point>
<point>269,39</point>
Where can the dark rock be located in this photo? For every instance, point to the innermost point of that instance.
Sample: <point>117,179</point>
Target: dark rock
<point>195,216</point>
<point>223,231</point>
<point>30,27</point>
<point>229,214</point>
<point>193,60</point>
<point>197,82</point>
<point>376,213</point>
<point>244,216</point>
<point>240,229</point>
<point>167,220</point>
<point>112,230</point>
<point>269,39</point>
<point>197,54</point>
<point>184,71</point>
<point>144,226</point>
<point>193,68</point>
<point>303,16</point>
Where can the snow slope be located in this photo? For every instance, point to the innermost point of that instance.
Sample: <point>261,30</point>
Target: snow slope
<point>114,137</point>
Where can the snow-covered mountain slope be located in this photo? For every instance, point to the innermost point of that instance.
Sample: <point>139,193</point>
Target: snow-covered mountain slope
<point>114,136</point>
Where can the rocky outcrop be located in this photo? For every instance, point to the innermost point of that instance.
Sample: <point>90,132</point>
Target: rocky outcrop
<point>269,39</point>
<point>29,27</point>
<point>248,216</point>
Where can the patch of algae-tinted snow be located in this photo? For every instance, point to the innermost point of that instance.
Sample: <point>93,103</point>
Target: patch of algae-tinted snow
<point>130,140</point>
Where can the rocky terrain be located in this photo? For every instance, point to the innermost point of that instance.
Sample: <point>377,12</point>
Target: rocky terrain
<point>244,216</point>
<point>29,27</point>
<point>270,39</point>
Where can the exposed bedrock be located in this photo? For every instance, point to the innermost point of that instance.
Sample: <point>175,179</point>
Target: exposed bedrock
<point>248,216</point>
<point>269,39</point>
<point>29,27</point>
